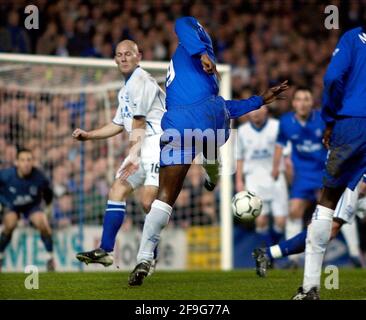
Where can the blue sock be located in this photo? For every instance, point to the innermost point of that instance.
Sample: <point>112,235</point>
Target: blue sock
<point>113,220</point>
<point>266,237</point>
<point>48,242</point>
<point>156,252</point>
<point>291,246</point>
<point>276,234</point>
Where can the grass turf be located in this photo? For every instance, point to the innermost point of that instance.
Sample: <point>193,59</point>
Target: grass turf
<point>190,285</point>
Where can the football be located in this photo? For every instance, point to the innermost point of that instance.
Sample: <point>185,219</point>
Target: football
<point>246,206</point>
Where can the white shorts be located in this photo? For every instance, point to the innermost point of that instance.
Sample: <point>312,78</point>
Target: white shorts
<point>148,171</point>
<point>347,205</point>
<point>274,194</point>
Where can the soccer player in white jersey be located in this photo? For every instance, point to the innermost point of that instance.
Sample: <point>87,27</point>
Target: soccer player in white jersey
<point>256,145</point>
<point>141,107</point>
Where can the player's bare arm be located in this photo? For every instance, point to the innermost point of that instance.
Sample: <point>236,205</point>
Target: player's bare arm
<point>276,161</point>
<point>131,163</point>
<point>107,131</point>
<point>327,135</point>
<point>239,183</point>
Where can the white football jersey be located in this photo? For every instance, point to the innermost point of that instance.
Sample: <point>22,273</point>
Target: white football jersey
<point>256,147</point>
<point>141,96</point>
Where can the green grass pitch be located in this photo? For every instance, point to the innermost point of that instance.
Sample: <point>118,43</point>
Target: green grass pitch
<point>190,285</point>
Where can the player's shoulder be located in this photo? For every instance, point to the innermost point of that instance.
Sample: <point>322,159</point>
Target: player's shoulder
<point>138,78</point>
<point>7,173</point>
<point>38,174</point>
<point>287,117</point>
<point>352,33</point>
<point>317,116</point>
<point>273,123</point>
<point>185,20</point>
<point>244,127</point>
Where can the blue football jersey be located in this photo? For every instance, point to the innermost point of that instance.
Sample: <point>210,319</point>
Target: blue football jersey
<point>186,81</point>
<point>308,154</point>
<point>18,193</point>
<point>344,92</point>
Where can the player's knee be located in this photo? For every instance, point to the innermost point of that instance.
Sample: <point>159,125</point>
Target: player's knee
<point>280,224</point>
<point>164,196</point>
<point>261,222</point>
<point>146,205</point>
<point>117,192</point>
<point>9,225</point>
<point>296,213</point>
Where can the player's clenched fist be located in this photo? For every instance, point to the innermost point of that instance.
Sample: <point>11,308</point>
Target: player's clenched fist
<point>80,135</point>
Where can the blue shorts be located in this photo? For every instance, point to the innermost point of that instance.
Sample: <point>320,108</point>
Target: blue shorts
<point>26,211</point>
<point>191,129</point>
<point>304,188</point>
<point>346,162</point>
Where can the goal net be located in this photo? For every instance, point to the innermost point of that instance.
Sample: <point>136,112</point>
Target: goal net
<point>42,100</point>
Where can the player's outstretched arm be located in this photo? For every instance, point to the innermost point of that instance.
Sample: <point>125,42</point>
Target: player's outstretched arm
<point>274,93</point>
<point>107,131</point>
<point>238,108</point>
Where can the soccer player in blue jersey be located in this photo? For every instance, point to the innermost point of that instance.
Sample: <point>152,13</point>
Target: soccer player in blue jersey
<point>304,129</point>
<point>23,188</point>
<point>344,111</point>
<point>197,120</point>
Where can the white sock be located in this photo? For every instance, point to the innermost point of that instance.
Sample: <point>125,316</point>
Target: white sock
<point>50,255</point>
<point>155,221</point>
<point>293,228</point>
<point>276,252</point>
<point>350,233</point>
<point>316,243</point>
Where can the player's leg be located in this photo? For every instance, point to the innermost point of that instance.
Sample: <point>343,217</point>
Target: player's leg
<point>294,223</point>
<point>279,208</point>
<point>262,229</point>
<point>351,236</point>
<point>262,226</point>
<point>40,222</point>
<point>318,237</point>
<point>113,219</point>
<point>149,194</point>
<point>262,256</point>
<point>10,221</point>
<point>171,180</point>
<point>296,244</point>
<point>345,213</point>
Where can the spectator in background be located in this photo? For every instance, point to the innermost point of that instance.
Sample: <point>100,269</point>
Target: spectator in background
<point>47,43</point>
<point>19,40</point>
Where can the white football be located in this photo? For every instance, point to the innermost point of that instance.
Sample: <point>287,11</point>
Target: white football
<point>246,205</point>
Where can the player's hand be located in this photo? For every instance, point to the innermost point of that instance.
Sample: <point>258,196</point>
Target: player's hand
<point>80,135</point>
<point>273,93</point>
<point>275,173</point>
<point>327,134</point>
<point>129,166</point>
<point>209,66</point>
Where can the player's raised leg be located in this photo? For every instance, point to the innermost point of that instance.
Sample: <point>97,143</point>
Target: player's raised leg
<point>10,221</point>
<point>40,222</point>
<point>171,180</point>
